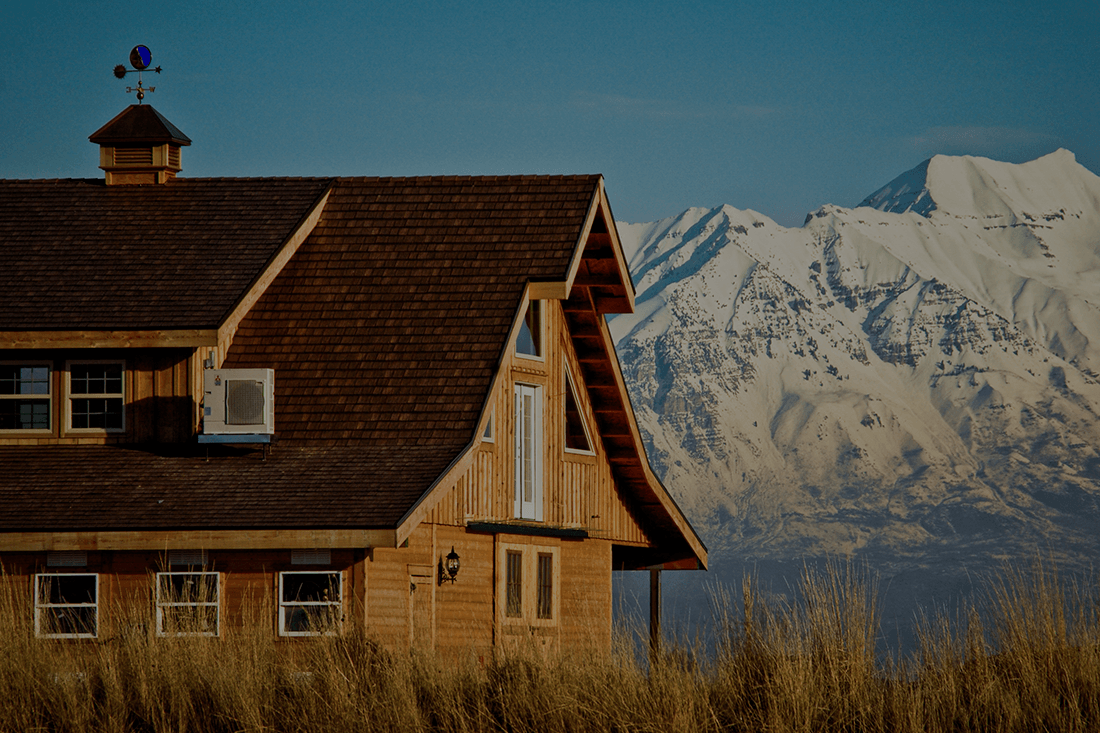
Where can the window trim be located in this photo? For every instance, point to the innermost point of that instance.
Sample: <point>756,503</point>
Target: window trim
<point>540,338</point>
<point>284,605</point>
<point>529,583</point>
<point>571,390</point>
<point>41,608</point>
<point>533,509</point>
<point>162,604</point>
<point>69,397</point>
<point>48,398</point>
<point>488,435</point>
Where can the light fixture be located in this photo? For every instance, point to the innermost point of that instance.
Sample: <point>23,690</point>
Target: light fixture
<point>448,567</point>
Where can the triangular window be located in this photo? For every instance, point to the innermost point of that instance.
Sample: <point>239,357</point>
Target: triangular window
<point>576,431</point>
<point>529,341</point>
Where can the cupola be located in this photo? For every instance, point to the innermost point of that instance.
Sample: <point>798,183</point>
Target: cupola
<point>139,146</point>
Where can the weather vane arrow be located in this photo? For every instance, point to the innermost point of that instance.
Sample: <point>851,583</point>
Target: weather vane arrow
<point>140,58</point>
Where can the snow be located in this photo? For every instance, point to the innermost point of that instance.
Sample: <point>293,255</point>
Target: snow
<point>915,381</point>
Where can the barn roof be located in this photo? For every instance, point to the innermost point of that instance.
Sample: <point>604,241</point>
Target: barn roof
<point>384,305</point>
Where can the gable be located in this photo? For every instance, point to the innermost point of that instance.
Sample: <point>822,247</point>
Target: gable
<point>387,326</point>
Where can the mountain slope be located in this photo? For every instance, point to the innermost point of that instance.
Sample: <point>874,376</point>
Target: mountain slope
<point>913,381</point>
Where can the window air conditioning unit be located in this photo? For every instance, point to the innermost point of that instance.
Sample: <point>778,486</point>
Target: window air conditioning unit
<point>239,402</point>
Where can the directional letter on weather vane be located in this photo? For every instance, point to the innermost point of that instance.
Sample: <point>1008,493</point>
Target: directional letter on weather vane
<point>140,58</point>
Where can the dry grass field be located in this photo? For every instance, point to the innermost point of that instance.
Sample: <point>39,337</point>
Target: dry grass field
<point>807,666</point>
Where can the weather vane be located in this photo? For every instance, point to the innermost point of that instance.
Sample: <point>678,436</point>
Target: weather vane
<point>140,59</point>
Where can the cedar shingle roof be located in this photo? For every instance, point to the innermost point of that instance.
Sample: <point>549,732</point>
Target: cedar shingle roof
<point>75,488</point>
<point>78,254</point>
<point>387,325</point>
<point>385,330</point>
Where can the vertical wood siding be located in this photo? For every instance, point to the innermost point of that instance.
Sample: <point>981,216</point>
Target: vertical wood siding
<point>162,391</point>
<point>579,490</point>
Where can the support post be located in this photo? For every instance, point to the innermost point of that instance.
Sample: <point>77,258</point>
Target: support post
<point>654,614</point>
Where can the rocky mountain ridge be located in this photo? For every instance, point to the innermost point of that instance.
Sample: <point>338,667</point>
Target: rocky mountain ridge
<point>914,382</point>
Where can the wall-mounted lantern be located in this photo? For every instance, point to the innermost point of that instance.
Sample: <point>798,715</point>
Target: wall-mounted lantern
<point>448,567</point>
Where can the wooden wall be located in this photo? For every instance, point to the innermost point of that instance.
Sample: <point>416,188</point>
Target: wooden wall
<point>162,389</point>
<point>579,489</point>
<point>394,593</point>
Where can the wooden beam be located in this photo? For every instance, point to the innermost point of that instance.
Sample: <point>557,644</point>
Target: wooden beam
<point>654,616</point>
<point>183,338</point>
<point>613,305</point>
<point>211,539</point>
<point>549,290</point>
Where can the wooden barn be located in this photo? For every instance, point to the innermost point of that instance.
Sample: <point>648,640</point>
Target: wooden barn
<point>312,398</point>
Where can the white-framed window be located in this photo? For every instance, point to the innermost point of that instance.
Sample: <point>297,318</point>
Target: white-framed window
<point>188,603</point>
<point>528,452</point>
<point>529,342</point>
<point>487,434</point>
<point>577,437</point>
<point>530,582</point>
<point>96,398</point>
<point>26,396</point>
<point>66,605</point>
<point>310,603</point>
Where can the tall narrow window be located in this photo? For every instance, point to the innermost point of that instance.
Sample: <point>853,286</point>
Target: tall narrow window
<point>95,396</point>
<point>576,432</point>
<point>513,584</point>
<point>546,585</point>
<point>66,606</point>
<point>529,341</point>
<point>24,397</point>
<point>528,437</point>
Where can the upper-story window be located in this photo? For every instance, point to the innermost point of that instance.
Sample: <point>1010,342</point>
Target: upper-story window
<point>576,429</point>
<point>528,449</point>
<point>25,397</point>
<point>529,341</point>
<point>96,396</point>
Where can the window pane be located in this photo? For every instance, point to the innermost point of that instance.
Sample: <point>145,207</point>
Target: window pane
<point>575,435</point>
<point>24,380</point>
<point>187,588</point>
<point>67,620</point>
<point>97,413</point>
<point>311,587</point>
<point>546,585</point>
<point>311,619</point>
<point>530,331</point>
<point>55,589</point>
<point>24,414</point>
<point>514,583</point>
<point>188,620</point>
<point>95,378</point>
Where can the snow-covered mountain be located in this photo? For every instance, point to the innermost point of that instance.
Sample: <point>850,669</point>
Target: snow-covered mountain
<point>914,381</point>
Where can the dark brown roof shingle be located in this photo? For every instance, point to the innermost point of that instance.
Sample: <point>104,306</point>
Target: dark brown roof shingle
<point>81,255</point>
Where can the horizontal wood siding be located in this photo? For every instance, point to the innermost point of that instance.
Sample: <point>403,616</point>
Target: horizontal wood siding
<point>464,609</point>
<point>249,585</point>
<point>586,595</point>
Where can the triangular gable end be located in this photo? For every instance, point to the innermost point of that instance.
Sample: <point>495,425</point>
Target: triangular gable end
<point>597,283</point>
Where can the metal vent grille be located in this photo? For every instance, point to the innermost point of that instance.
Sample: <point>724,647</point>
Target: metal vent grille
<point>310,557</point>
<point>69,559</point>
<point>244,402</point>
<point>192,558</point>
<point>133,156</point>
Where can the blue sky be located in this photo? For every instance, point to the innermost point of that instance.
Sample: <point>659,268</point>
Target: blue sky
<point>774,106</point>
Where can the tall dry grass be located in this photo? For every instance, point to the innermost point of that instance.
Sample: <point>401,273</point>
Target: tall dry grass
<point>1029,660</point>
